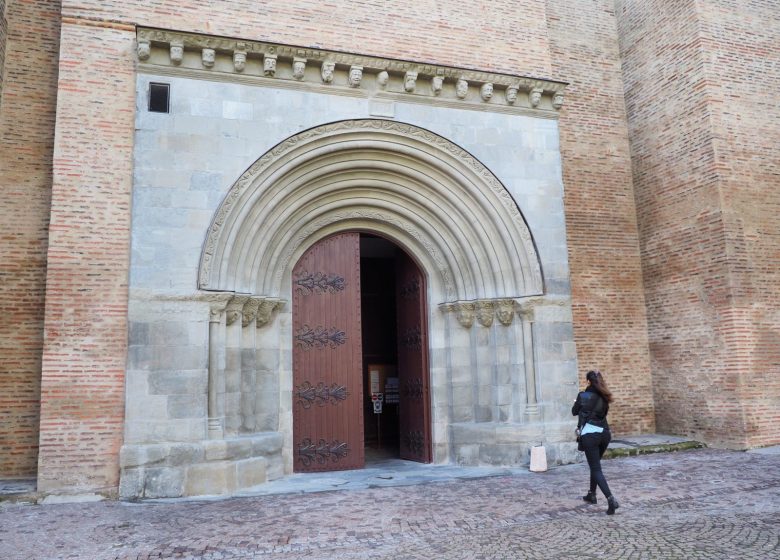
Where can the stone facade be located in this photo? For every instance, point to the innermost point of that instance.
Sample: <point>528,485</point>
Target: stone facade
<point>671,270</point>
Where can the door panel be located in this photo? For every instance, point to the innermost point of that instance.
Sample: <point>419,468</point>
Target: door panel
<point>414,409</point>
<point>327,358</point>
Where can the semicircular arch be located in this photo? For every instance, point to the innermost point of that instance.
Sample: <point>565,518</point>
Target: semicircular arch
<point>430,196</point>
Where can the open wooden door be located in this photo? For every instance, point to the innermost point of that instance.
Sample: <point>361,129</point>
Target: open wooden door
<point>414,407</point>
<point>327,359</point>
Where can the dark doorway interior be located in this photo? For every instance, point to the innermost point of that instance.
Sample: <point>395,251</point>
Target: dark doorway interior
<point>380,347</point>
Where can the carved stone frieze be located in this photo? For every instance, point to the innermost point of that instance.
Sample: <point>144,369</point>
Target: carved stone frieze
<point>372,74</point>
<point>485,310</point>
<point>249,312</point>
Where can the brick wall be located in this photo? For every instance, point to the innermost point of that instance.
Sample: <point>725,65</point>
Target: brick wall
<point>701,81</point>
<point>27,105</point>
<point>610,327</point>
<point>3,39</point>
<point>82,388</point>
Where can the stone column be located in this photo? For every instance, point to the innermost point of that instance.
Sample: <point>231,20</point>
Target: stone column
<point>248,365</point>
<point>216,379</point>
<point>527,318</point>
<point>232,390</point>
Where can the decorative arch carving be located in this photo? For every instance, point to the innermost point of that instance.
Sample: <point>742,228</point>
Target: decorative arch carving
<point>426,193</point>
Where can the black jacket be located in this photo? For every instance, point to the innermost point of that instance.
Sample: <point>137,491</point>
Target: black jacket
<point>591,407</point>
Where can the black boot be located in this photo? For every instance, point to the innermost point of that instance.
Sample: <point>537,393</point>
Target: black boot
<point>613,505</point>
<point>590,497</point>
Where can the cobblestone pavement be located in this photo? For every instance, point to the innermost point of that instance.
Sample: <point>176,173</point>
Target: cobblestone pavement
<point>689,505</point>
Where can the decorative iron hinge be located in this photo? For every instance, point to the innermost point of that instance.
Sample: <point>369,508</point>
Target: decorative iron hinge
<point>413,388</point>
<point>319,337</point>
<point>411,289</point>
<point>310,452</point>
<point>412,338</point>
<point>317,282</point>
<point>414,442</point>
<point>308,394</point>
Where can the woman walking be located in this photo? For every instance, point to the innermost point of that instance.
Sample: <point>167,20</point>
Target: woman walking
<point>592,406</point>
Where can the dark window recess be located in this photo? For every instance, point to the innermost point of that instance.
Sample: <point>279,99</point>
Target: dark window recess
<point>159,97</point>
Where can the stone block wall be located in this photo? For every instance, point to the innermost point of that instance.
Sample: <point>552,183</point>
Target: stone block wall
<point>701,82</point>
<point>610,327</point>
<point>29,44</point>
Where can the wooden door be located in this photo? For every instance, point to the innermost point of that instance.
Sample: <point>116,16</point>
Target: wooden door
<point>327,359</point>
<point>413,407</point>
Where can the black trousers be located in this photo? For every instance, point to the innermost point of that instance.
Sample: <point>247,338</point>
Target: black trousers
<point>594,446</point>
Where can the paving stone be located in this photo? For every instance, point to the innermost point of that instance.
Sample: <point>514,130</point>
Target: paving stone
<point>698,504</point>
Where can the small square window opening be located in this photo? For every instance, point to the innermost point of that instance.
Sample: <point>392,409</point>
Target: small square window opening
<point>159,98</point>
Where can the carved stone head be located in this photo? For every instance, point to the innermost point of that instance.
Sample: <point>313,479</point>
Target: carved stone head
<point>557,100</point>
<point>269,65</point>
<point>239,60</point>
<point>298,67</point>
<point>327,71</point>
<point>511,94</point>
<point>486,91</point>
<point>382,78</point>
<point>355,75</point>
<point>436,84</point>
<point>535,97</point>
<point>177,53</point>
<point>410,81</point>
<point>144,49</point>
<point>505,311</point>
<point>207,56</point>
<point>461,88</point>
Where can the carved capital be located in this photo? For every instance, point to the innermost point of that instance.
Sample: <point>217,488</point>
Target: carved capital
<point>217,304</point>
<point>464,311</point>
<point>505,311</point>
<point>249,312</point>
<point>234,308</point>
<point>485,310</point>
<point>265,310</point>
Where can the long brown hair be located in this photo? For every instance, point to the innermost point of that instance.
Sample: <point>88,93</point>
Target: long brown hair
<point>599,385</point>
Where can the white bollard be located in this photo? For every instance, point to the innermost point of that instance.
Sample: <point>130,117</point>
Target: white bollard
<point>538,459</point>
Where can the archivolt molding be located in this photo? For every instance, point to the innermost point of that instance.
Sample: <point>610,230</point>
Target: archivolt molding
<point>420,190</point>
<point>348,74</point>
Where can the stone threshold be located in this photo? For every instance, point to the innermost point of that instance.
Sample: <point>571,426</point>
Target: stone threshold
<point>629,446</point>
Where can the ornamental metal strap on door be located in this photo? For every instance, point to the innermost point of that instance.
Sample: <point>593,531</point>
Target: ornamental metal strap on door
<point>327,359</point>
<point>414,411</point>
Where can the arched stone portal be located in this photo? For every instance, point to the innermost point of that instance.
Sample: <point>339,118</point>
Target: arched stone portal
<point>500,366</point>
